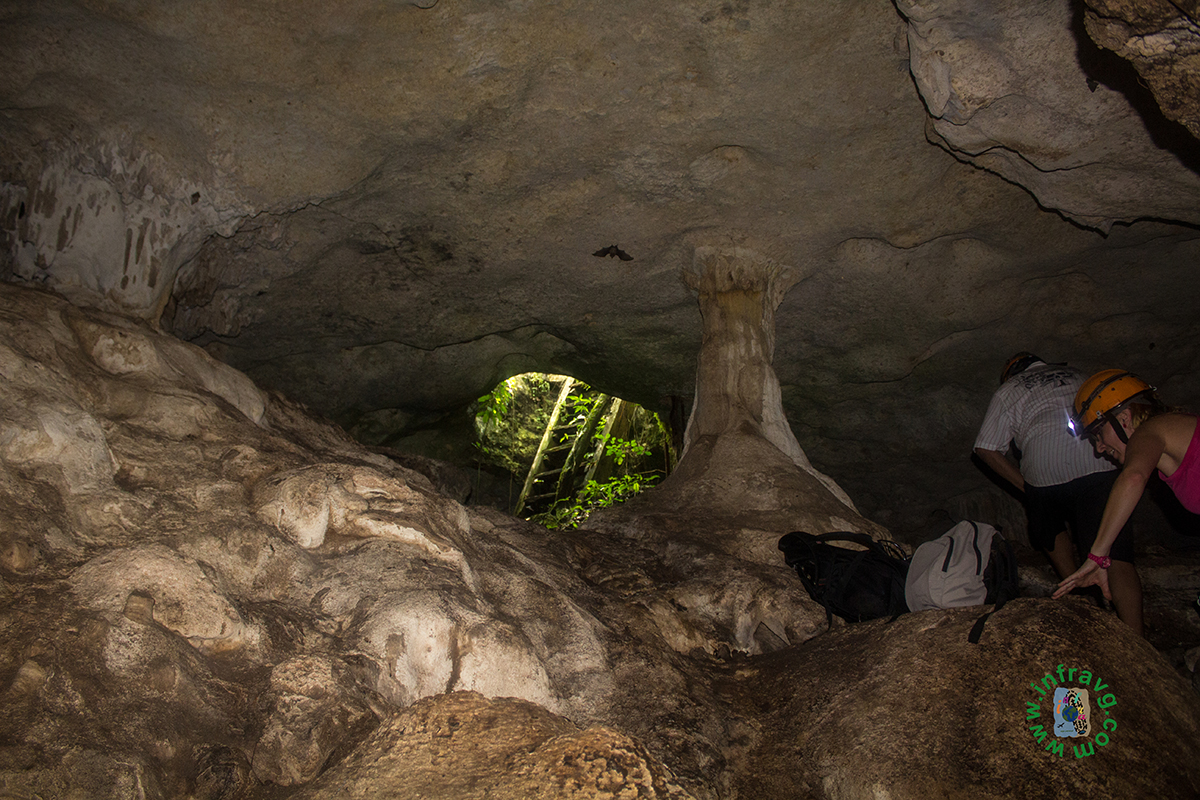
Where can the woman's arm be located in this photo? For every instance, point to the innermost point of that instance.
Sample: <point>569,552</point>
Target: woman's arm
<point>1123,498</point>
<point>1142,453</point>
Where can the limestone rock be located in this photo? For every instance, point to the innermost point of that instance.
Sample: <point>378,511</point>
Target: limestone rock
<point>912,709</point>
<point>426,643</point>
<point>1162,40</point>
<point>314,710</point>
<point>57,435</point>
<point>183,597</point>
<point>1004,90</point>
<point>87,773</point>
<point>382,232</point>
<point>306,503</point>
<point>516,750</point>
<point>121,348</point>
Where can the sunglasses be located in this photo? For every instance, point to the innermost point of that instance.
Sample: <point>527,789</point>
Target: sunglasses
<point>1093,435</point>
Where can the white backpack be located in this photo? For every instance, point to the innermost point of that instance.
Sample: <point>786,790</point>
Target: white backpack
<point>949,572</point>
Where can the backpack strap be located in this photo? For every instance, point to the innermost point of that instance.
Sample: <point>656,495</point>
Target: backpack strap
<point>848,536</point>
<point>885,547</point>
<point>975,547</point>
<point>977,628</point>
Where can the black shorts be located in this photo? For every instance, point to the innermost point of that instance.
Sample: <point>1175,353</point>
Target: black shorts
<point>1076,507</point>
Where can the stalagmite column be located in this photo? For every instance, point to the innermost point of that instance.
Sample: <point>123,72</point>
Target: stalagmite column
<point>736,386</point>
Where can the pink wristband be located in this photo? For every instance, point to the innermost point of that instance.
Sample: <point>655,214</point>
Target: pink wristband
<point>1104,561</point>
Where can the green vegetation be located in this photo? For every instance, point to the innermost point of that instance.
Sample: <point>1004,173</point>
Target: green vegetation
<point>571,513</point>
<point>510,419</point>
<point>600,452</point>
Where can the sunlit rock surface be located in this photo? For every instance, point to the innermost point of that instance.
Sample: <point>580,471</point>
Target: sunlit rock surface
<point>207,593</point>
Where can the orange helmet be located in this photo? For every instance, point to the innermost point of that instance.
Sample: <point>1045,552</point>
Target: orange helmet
<point>1018,364</point>
<point>1103,394</point>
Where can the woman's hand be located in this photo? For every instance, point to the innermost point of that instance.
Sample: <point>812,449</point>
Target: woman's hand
<point>1089,574</point>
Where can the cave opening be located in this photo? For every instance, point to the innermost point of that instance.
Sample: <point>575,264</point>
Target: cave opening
<point>554,448</point>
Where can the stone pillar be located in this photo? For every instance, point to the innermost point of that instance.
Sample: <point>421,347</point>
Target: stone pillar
<point>736,385</point>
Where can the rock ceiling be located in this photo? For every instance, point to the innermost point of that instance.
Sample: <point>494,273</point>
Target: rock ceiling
<point>382,208</point>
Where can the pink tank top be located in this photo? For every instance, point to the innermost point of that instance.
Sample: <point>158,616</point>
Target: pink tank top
<point>1185,481</point>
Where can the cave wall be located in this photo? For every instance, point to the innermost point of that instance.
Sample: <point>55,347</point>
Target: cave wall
<point>384,209</point>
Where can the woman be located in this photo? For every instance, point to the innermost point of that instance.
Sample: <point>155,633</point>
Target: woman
<point>1126,422</point>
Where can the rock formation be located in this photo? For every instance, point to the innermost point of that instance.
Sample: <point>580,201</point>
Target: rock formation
<point>383,210</point>
<point>1162,41</point>
<point>208,593</point>
<point>221,225</point>
<point>1041,128</point>
<point>737,392</point>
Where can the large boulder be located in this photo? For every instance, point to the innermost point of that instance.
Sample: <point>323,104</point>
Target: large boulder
<point>463,746</point>
<point>912,709</point>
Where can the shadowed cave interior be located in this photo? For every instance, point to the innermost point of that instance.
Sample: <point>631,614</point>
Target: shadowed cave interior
<point>262,265</point>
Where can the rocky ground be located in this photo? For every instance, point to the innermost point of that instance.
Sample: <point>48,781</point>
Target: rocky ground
<point>207,592</point>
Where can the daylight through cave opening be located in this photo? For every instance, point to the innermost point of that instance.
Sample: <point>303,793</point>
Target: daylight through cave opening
<point>568,448</point>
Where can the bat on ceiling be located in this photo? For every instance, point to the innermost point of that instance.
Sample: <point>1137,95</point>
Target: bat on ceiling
<point>612,251</point>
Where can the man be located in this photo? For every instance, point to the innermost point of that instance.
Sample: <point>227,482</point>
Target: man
<point>1065,485</point>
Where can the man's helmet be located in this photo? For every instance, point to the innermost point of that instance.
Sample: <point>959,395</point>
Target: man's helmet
<point>1102,395</point>
<point>1018,364</point>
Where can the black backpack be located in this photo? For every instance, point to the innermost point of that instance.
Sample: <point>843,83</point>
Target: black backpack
<point>856,585</point>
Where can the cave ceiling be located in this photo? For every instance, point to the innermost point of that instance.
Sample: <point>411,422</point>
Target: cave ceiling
<point>383,208</point>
